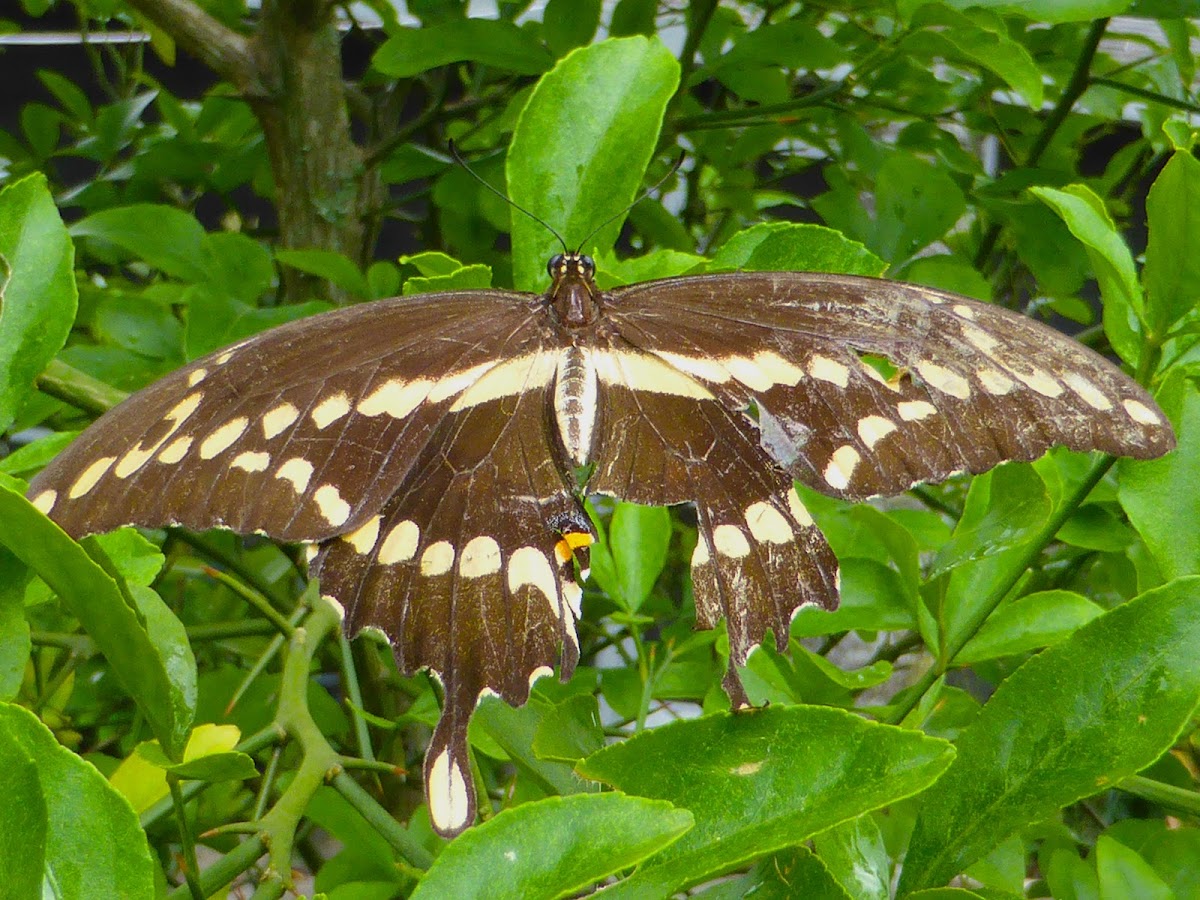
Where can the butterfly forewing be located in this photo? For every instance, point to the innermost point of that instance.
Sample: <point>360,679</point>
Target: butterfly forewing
<point>860,387</point>
<point>431,447</point>
<point>301,433</point>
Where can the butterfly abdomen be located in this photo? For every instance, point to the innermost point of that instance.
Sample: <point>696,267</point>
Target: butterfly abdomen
<point>576,400</point>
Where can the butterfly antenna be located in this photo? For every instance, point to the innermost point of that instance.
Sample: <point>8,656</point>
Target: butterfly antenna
<point>518,207</point>
<point>640,197</point>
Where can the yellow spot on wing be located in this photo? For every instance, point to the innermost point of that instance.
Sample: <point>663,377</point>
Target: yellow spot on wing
<point>333,508</point>
<point>330,410</point>
<point>729,541</point>
<point>994,382</point>
<point>1139,412</point>
<point>176,450</point>
<point>841,467</point>
<point>223,438</point>
<point>529,565</point>
<point>798,510</point>
<point>396,398</point>
<point>1091,394</point>
<point>400,545</point>
<point>251,461</point>
<point>481,556</point>
<point>297,471</point>
<point>437,559</point>
<point>915,410</point>
<point>767,524</point>
<point>363,538</point>
<point>447,791</point>
<point>279,418</point>
<point>90,476</point>
<point>873,429</point>
<point>945,380</point>
<point>826,369</point>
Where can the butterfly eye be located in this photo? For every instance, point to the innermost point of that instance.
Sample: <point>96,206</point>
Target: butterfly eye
<point>552,267</point>
<point>587,266</point>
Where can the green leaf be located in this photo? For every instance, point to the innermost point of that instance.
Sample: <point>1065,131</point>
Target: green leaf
<point>567,24</point>
<point>464,278</point>
<point>164,237</point>
<point>23,809</point>
<point>230,766</point>
<point>1124,873</point>
<point>490,42</point>
<point>91,836</point>
<point>150,656</point>
<point>1084,714</point>
<point>1071,878</point>
<point>1160,495</point>
<point>330,265</point>
<point>751,780</point>
<point>366,850</point>
<point>788,247</point>
<point>1086,216</point>
<point>136,559</point>
<point>570,731</point>
<point>789,44</point>
<point>661,263</point>
<point>856,856</point>
<point>603,105</point>
<point>513,730</point>
<point>1172,264</point>
<point>140,324</point>
<point>1096,527</point>
<point>552,848</point>
<point>981,39</point>
<point>383,280</point>
<point>216,318</point>
<point>638,539</point>
<point>15,642</point>
<point>240,265</point>
<point>1004,507</point>
<point>790,874</point>
<point>37,289</point>
<point>916,203</point>
<point>1029,623</point>
<point>33,457</point>
<point>633,17</point>
<point>873,598</point>
<point>67,93</point>
<point>1052,11</point>
<point>431,262</point>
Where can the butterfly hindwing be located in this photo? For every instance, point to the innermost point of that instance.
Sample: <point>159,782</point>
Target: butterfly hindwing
<point>667,439</point>
<point>466,572</point>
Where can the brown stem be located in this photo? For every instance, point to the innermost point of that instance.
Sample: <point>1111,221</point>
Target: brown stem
<point>221,48</point>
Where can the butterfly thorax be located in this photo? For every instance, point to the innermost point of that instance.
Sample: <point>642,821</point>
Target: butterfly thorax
<point>573,294</point>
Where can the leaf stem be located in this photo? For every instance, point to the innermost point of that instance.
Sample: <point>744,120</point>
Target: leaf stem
<point>1032,550</point>
<point>80,390</point>
<point>1078,83</point>
<point>362,734</point>
<point>382,821</point>
<point>1166,795</point>
<point>227,868</point>
<point>191,867</point>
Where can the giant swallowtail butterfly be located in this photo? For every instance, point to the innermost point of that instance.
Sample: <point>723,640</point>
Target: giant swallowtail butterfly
<point>435,448</point>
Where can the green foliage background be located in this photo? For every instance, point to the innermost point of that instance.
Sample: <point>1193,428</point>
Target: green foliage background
<point>1004,706</point>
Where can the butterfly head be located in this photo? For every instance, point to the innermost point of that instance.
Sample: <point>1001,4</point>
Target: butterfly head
<point>573,293</point>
